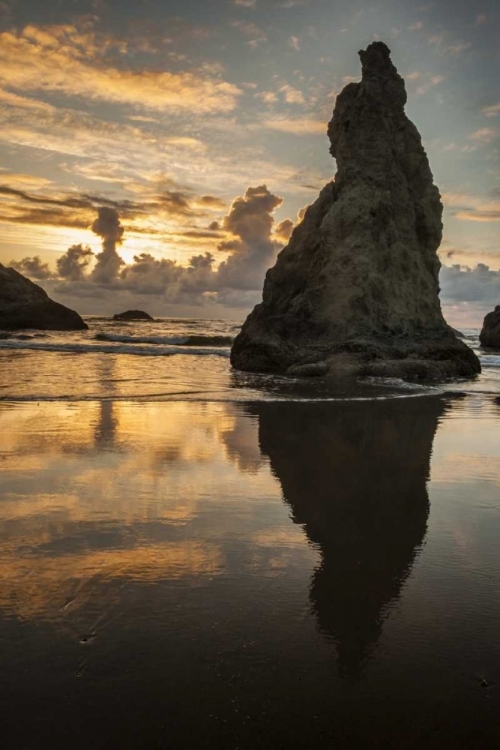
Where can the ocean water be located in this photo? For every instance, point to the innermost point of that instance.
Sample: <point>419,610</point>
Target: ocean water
<point>196,558</point>
<point>174,359</point>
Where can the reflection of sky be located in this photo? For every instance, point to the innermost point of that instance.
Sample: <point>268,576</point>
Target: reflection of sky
<point>95,492</point>
<point>177,555</point>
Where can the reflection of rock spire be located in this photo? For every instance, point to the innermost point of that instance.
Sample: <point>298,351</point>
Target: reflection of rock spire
<point>355,476</point>
<point>105,429</point>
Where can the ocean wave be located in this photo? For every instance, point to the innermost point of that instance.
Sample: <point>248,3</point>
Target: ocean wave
<point>490,360</point>
<point>195,340</point>
<point>204,397</point>
<point>90,348</point>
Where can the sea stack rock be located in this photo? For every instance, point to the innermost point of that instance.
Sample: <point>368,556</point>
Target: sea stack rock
<point>24,304</point>
<point>356,289</point>
<point>132,315</point>
<point>490,332</point>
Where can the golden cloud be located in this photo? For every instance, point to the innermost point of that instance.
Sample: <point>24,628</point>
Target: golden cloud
<point>298,126</point>
<point>483,208</point>
<point>40,59</point>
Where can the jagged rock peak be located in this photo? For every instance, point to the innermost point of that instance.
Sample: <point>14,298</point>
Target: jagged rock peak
<point>376,63</point>
<point>357,288</point>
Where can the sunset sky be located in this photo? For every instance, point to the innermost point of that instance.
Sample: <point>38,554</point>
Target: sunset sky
<point>181,140</point>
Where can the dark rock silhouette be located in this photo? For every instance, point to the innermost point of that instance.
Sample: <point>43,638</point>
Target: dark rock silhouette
<point>354,475</point>
<point>132,315</point>
<point>356,289</point>
<point>490,332</point>
<point>24,304</point>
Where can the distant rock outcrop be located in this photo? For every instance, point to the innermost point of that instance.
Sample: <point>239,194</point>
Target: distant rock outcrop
<point>490,332</point>
<point>24,304</point>
<point>132,315</point>
<point>356,289</point>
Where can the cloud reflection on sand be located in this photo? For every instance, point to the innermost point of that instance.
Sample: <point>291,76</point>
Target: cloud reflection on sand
<point>101,492</point>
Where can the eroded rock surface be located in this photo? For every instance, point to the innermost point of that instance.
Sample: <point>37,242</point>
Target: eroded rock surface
<point>490,332</point>
<point>356,289</point>
<point>24,304</point>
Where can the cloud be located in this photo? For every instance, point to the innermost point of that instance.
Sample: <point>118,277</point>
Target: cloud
<point>268,97</point>
<point>251,30</point>
<point>486,216</point>
<point>448,47</point>
<point>247,241</point>
<point>253,250</point>
<point>109,228</point>
<point>292,95</point>
<point>429,83</point>
<point>481,18</point>
<point>284,230</point>
<point>74,262</point>
<point>297,126</point>
<point>61,210</point>
<point>245,3</point>
<point>34,267</point>
<point>54,59</point>
<point>417,26</point>
<point>483,136</point>
<point>163,202</point>
<point>148,275</point>
<point>492,110</point>
<point>485,208</point>
<point>16,100</point>
<point>26,181</point>
<point>462,283</point>
<point>294,43</point>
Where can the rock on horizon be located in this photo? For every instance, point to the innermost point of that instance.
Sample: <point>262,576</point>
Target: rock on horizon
<point>133,315</point>
<point>24,304</point>
<point>356,289</point>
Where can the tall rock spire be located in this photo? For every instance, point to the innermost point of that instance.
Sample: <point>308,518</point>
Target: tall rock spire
<point>356,289</point>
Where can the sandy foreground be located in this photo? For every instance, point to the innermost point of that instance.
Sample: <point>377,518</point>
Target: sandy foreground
<point>250,575</point>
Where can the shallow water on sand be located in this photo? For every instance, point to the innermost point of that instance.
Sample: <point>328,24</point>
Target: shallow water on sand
<point>177,359</point>
<point>260,574</point>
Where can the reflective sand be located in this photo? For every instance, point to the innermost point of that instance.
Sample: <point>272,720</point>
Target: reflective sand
<point>250,575</point>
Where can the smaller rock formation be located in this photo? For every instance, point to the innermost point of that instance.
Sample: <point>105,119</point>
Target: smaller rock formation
<point>24,304</point>
<point>356,290</point>
<point>132,315</point>
<point>490,332</point>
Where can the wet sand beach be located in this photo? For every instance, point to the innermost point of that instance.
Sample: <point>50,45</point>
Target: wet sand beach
<point>281,574</point>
